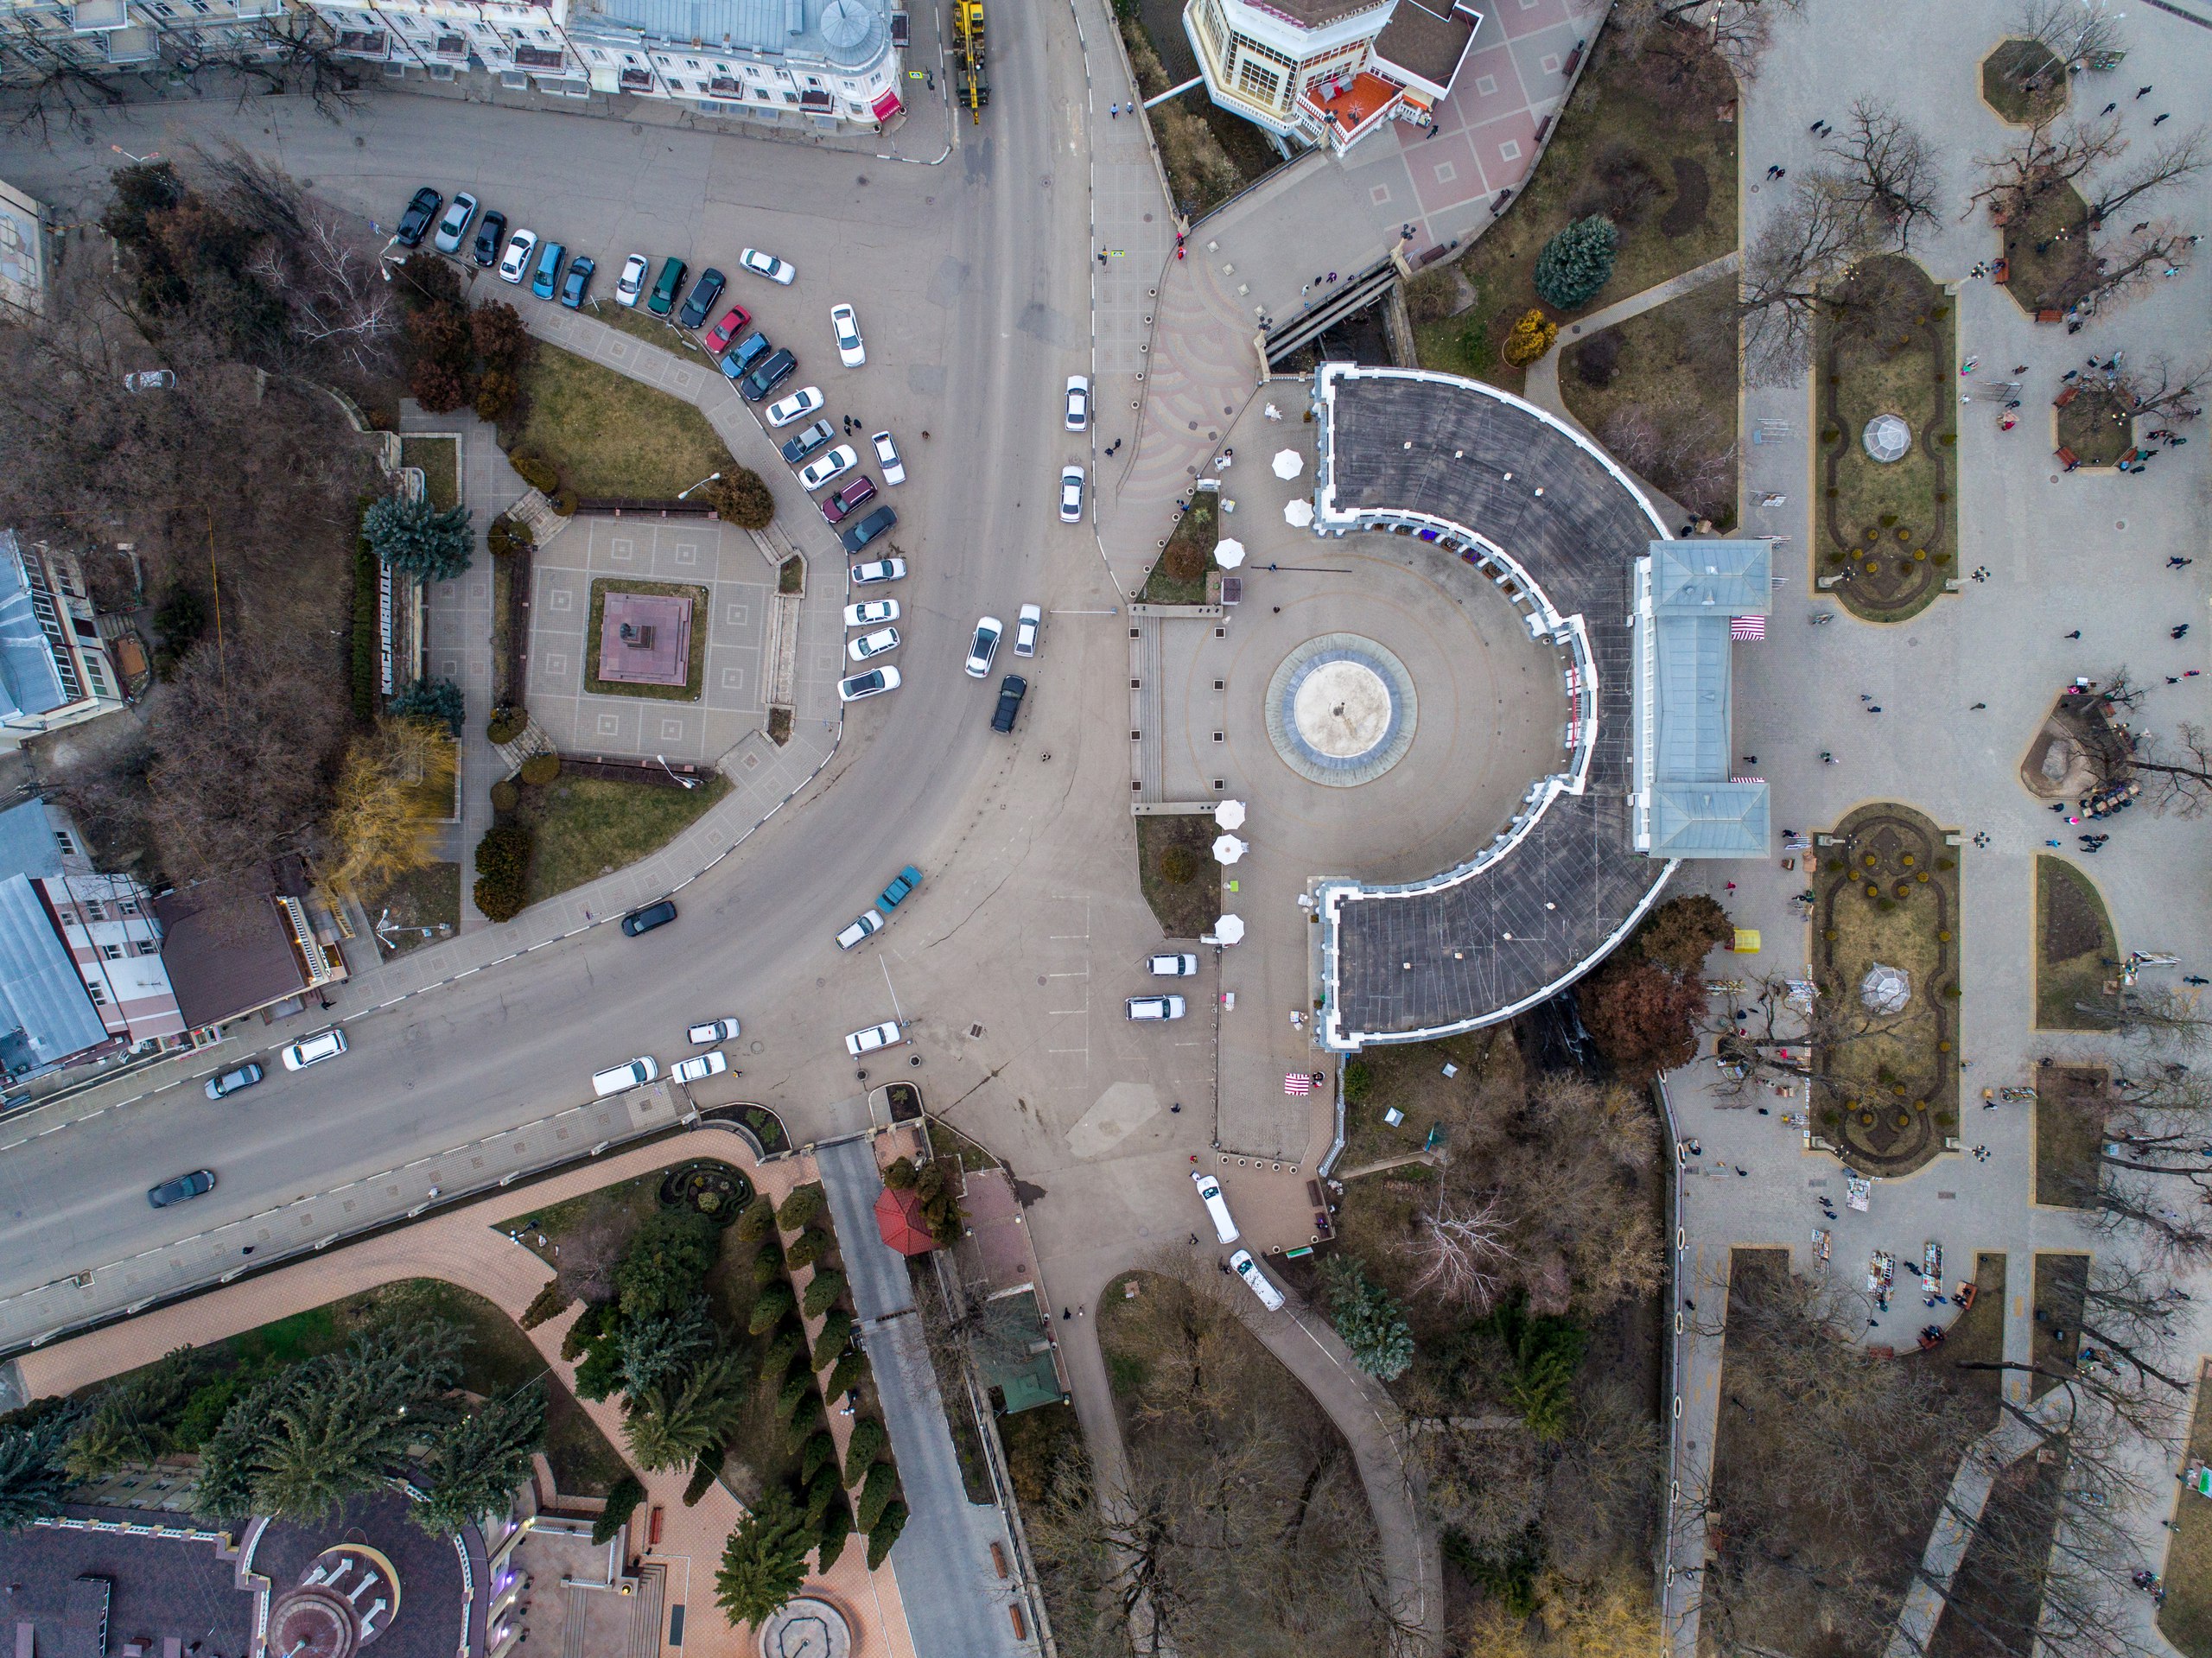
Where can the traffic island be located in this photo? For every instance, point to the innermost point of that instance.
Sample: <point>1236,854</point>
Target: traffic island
<point>2077,952</point>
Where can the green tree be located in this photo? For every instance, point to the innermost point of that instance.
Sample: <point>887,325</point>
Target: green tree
<point>836,1527</point>
<point>417,539</point>
<point>622,1502</point>
<point>764,1561</point>
<point>1682,932</point>
<point>940,1194</point>
<point>1370,1321</point>
<point>661,1343</point>
<point>884,1532</point>
<point>671,1422</point>
<point>477,1459</point>
<point>758,1221</point>
<point>135,1418</point>
<point>877,1491</point>
<point>822,1292</point>
<point>863,1448</point>
<point>821,1491</point>
<point>847,1372</point>
<point>836,1330</point>
<point>503,871</point>
<point>802,1206</point>
<point>430,698</point>
<point>775,1304</point>
<point>808,1248</point>
<point>664,1266</point>
<point>1545,1352</point>
<point>1577,262</point>
<point>743,500</point>
<point>33,1482</point>
<point>901,1176</point>
<point>818,1451</point>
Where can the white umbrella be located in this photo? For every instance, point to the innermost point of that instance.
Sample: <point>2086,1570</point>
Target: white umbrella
<point>1230,814</point>
<point>1229,930</point>
<point>1288,463</point>
<point>1227,849</point>
<point>1298,513</point>
<point>1229,554</point>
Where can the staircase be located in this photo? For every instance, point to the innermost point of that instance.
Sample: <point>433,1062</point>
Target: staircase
<point>537,512</point>
<point>645,1613</point>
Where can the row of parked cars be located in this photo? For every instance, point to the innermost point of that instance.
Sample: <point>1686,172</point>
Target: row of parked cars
<point>636,1073</point>
<point>1224,1227</point>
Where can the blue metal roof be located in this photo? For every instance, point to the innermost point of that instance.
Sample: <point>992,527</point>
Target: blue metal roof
<point>30,683</point>
<point>27,842</point>
<point>1729,578</point>
<point>1692,658</point>
<point>840,31</point>
<point>41,997</point>
<point>1709,820</point>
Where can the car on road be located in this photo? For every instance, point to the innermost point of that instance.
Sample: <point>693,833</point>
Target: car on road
<point>704,293</point>
<point>866,925</point>
<point>738,361</point>
<point>699,1067</point>
<point>869,612</point>
<point>834,507</point>
<point>798,406</point>
<point>1224,1225</point>
<point>983,645</point>
<point>810,439</point>
<point>514,264</point>
<point>1026,621</point>
<point>1155,1008</point>
<point>653,915</point>
<point>714,1030</point>
<point>846,324</point>
<point>1172,967</point>
<point>885,1035</point>
<point>768,265</point>
<point>904,886</point>
<point>776,368</point>
<point>183,1189</point>
<point>735,322</point>
<point>314,1050</point>
<point>1079,404</point>
<point>1070,495</point>
<point>819,471</point>
<point>662,300</point>
<point>874,683</point>
<point>232,1081</point>
<point>881,569</point>
<point>486,249</point>
<point>1245,1268</point>
<point>873,644</point>
<point>581,270</point>
<point>632,282</point>
<point>455,225</point>
<point>620,1079</point>
<point>868,529</point>
<point>1012,690</point>
<point>887,455</point>
<point>415,223</point>
<point>547,282</point>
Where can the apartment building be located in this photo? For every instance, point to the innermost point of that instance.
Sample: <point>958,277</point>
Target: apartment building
<point>55,671</point>
<point>37,37</point>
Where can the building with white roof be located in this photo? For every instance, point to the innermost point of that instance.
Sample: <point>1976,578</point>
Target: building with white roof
<point>54,666</point>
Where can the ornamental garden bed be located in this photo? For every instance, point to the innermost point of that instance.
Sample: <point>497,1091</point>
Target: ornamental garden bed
<point>2024,82</point>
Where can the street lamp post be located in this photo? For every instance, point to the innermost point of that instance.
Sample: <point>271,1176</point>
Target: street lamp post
<point>688,784</point>
<point>702,484</point>
<point>143,161</point>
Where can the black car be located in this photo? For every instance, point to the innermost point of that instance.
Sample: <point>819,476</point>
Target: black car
<point>775,369</point>
<point>578,279</point>
<point>653,915</point>
<point>798,448</point>
<point>868,528</point>
<point>185,1186</point>
<point>490,230</point>
<point>704,293</point>
<point>1012,690</point>
<point>421,212</point>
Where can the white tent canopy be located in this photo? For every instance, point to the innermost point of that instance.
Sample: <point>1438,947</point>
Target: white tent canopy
<point>1229,554</point>
<point>1288,463</point>
<point>1298,513</point>
<point>1230,814</point>
<point>1229,930</point>
<point>1227,849</point>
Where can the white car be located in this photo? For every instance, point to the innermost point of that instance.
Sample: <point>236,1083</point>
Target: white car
<point>1248,1269</point>
<point>150,379</point>
<point>768,265</point>
<point>455,225</point>
<point>876,1036</point>
<point>314,1050</point>
<point>879,569</point>
<point>1224,1225</point>
<point>984,646</point>
<point>514,264</point>
<point>873,644</point>
<point>846,327</point>
<point>1172,967</point>
<point>1026,621</point>
<point>866,925</point>
<point>632,283</point>
<point>1142,1007</point>
<point>870,611</point>
<point>874,683</point>
<point>1070,495</point>
<point>887,455</point>
<point>699,1069</point>
<point>801,403</point>
<point>714,1030</point>
<point>819,471</point>
<point>1078,413</point>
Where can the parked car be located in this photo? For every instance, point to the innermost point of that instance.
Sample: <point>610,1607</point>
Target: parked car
<point>1026,622</point>
<point>1012,690</point>
<point>887,455</point>
<point>819,471</point>
<point>869,612</point>
<point>232,1081</point>
<point>415,223</point>
<point>620,1079</point>
<point>455,225</point>
<point>150,379</point>
<point>904,885</point>
<point>699,1067</point>
<point>1079,404</point>
<point>704,293</point>
<point>1155,1008</point>
<point>581,269</point>
<point>775,368</point>
<point>866,925</point>
<point>983,646</point>
<point>874,683</point>
<point>547,282</point>
<point>834,507</point>
<point>314,1050</point>
<point>846,327</point>
<point>738,361</point>
<point>1172,967</point>
<point>873,644</point>
<point>882,569</point>
<point>734,322</point>
<point>1245,1268</point>
<point>486,249</point>
<point>632,282</point>
<point>514,264</point>
<point>868,529</point>
<point>768,265</point>
<point>662,300</point>
<point>798,406</point>
<point>184,1188</point>
<point>714,1030</point>
<point>1224,1225</point>
<point>876,1036</point>
<point>653,915</point>
<point>810,439</point>
<point>1070,495</point>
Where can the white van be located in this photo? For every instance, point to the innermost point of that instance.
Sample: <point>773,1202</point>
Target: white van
<point>1210,1194</point>
<point>1245,1268</point>
<point>622,1078</point>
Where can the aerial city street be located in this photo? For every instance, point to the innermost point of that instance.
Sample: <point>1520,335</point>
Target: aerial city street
<point>1105,829</point>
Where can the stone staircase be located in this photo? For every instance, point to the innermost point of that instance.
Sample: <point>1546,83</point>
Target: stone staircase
<point>537,512</point>
<point>533,740</point>
<point>1148,709</point>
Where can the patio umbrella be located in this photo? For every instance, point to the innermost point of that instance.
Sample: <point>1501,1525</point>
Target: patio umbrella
<point>1227,849</point>
<point>898,1218</point>
<point>1229,554</point>
<point>1230,814</point>
<point>1288,463</point>
<point>1298,513</point>
<point>1229,930</point>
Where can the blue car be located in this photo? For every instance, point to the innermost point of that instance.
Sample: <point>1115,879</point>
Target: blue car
<point>549,269</point>
<point>579,275</point>
<point>738,359</point>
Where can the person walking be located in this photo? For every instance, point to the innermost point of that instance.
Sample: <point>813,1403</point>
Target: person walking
<point>2182,632</point>
<point>2076,634</point>
<point>2140,91</point>
<point>2163,120</point>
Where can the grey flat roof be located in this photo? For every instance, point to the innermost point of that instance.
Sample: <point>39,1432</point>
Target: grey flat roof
<point>29,682</point>
<point>1728,578</point>
<point>851,32</point>
<point>1428,38</point>
<point>1692,653</point>
<point>27,842</point>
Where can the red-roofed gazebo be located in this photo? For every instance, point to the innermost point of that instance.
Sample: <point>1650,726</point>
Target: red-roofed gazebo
<point>898,1218</point>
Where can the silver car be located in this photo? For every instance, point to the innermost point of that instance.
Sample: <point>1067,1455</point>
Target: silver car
<point>1078,406</point>
<point>873,644</point>
<point>881,570</point>
<point>1026,621</point>
<point>864,925</point>
<point>1143,1007</point>
<point>1072,495</point>
<point>819,472</point>
<point>455,225</point>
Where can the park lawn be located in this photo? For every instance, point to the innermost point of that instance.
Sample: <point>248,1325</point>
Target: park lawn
<point>643,325</point>
<point>440,459</point>
<point>2062,1285</point>
<point>2074,940</point>
<point>1411,1079</point>
<point>1184,909</point>
<point>611,436</point>
<point>1200,528</point>
<point>1985,1595</point>
<point>1462,345</point>
<point>589,827</point>
<point>2097,425</point>
<point>702,620</point>
<point>2010,64</point>
<point>580,1237</point>
<point>2050,279</point>
<point>1676,369</point>
<point>2067,1137</point>
<point>429,897</point>
<point>2186,1618</point>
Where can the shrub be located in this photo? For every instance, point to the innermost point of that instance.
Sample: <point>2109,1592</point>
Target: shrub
<point>864,1447</point>
<point>417,539</point>
<point>797,1390</point>
<point>758,1221</point>
<point>883,1534</point>
<point>1576,263</point>
<point>497,393</point>
<point>505,535</point>
<point>503,871</point>
<point>540,474</point>
<point>773,1307</point>
<point>703,1474</point>
<point>1178,865</point>
<point>540,769</point>
<point>940,1196</point>
<point>780,1353</point>
<point>810,1422</point>
<point>809,1247</point>
<point>877,1491</point>
<point>740,498</point>
<point>546,1304</point>
<point>845,1374</point>
<point>1532,336</point>
<point>588,1323</point>
<point>767,1268</point>
<point>431,699</point>
<point>1359,1081</point>
<point>802,1206</point>
<point>899,1176</point>
<point>565,503</point>
<point>505,725</point>
<point>836,1331</point>
<point>822,1293</point>
<point>622,1502</point>
<point>505,796</point>
<point>819,1451</point>
<point>1368,1319</point>
<point>836,1527</point>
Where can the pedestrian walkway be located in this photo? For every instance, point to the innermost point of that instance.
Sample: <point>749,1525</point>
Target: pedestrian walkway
<point>1541,385</point>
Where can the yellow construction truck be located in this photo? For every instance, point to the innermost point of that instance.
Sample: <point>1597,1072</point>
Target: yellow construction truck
<point>974,84</point>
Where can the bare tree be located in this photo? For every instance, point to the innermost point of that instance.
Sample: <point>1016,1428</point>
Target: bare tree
<point>2159,385</point>
<point>1797,254</point>
<point>290,52</point>
<point>2126,268</point>
<point>2158,1014</point>
<point>2071,31</point>
<point>1460,1250</point>
<point>2047,158</point>
<point>2181,156</point>
<point>1737,31</point>
<point>1888,172</point>
<point>61,90</point>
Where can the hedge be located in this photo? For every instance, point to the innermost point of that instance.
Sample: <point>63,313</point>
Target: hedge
<point>622,1502</point>
<point>539,474</point>
<point>546,1304</point>
<point>822,1292</point>
<point>503,871</point>
<point>541,769</point>
<point>368,634</point>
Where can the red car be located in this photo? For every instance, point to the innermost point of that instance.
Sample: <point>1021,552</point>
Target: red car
<point>733,322</point>
<point>860,489</point>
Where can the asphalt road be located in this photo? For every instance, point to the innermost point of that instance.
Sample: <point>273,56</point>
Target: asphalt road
<point>971,278</point>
